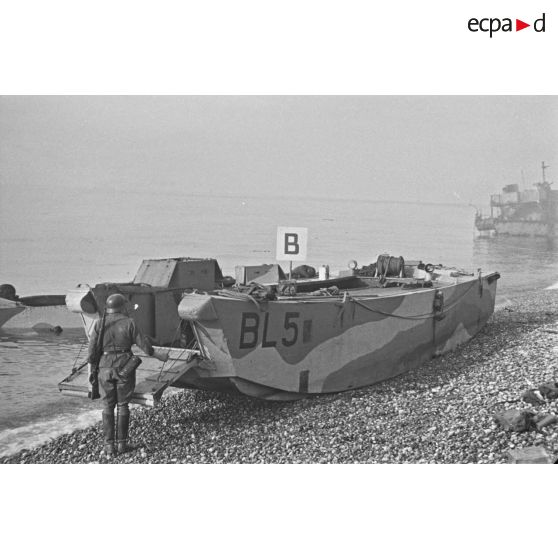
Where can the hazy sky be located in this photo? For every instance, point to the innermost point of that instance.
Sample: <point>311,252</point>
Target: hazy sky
<point>389,148</point>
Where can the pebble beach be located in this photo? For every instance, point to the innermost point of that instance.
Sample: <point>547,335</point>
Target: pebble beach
<point>442,412</point>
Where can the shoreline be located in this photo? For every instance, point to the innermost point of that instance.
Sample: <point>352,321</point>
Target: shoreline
<point>441,412</point>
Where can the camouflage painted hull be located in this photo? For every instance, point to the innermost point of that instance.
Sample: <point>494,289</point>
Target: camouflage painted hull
<point>300,345</point>
<point>9,309</point>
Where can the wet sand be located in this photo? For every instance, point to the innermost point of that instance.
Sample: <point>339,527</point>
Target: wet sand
<point>441,412</point>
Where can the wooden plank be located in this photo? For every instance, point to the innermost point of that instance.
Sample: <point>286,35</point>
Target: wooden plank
<point>175,354</point>
<point>67,387</point>
<point>150,390</point>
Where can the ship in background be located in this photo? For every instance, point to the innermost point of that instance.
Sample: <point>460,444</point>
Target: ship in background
<point>515,212</point>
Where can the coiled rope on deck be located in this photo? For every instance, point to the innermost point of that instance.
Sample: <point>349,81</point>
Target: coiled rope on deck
<point>389,266</point>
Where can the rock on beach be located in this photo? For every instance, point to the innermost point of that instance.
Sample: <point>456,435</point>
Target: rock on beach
<point>441,412</point>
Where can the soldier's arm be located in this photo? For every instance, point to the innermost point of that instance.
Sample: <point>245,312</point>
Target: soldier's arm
<point>145,345</point>
<point>140,339</point>
<point>93,340</point>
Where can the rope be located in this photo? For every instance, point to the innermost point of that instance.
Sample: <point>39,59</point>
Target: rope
<point>78,355</point>
<point>417,316</point>
<point>239,296</point>
<point>175,337</point>
<point>180,354</point>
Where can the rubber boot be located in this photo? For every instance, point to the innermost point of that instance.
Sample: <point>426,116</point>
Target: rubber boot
<point>123,423</point>
<point>108,429</point>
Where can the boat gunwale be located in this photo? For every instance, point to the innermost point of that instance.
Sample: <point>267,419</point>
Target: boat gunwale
<point>385,292</point>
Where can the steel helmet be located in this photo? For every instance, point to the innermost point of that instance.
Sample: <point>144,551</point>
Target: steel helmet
<point>115,303</point>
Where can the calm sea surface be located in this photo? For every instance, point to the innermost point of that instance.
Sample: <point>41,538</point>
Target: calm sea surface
<point>80,240</point>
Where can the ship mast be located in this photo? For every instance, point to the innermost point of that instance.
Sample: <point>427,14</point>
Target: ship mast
<point>549,208</point>
<point>543,168</point>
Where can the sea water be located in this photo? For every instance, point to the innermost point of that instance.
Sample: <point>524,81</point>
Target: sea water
<point>83,239</point>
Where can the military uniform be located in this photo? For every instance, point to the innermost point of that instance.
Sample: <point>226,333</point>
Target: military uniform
<point>121,332</point>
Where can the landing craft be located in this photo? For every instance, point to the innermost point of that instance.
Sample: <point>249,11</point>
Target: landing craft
<point>283,339</point>
<point>515,212</point>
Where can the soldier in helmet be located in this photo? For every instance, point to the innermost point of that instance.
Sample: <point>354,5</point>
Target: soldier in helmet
<point>121,332</point>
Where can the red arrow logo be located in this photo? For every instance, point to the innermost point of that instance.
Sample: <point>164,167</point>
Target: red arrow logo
<point>519,25</point>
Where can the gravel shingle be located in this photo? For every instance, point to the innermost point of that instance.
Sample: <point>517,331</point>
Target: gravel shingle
<point>441,412</point>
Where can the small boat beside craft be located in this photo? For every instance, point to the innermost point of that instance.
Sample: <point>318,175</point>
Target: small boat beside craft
<point>9,309</point>
<point>40,313</point>
<point>282,339</point>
